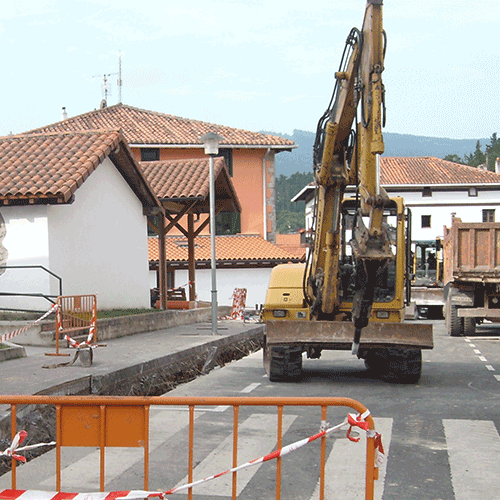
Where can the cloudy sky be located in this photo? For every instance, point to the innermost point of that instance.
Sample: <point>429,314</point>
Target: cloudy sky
<point>252,64</point>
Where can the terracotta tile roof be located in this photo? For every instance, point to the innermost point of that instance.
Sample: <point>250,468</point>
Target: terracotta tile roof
<point>421,171</point>
<point>181,178</point>
<point>429,170</point>
<point>49,168</point>
<point>228,248</point>
<point>291,243</point>
<point>140,126</point>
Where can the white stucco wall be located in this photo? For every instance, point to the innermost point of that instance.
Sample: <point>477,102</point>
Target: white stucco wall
<point>27,242</point>
<point>439,206</point>
<point>97,244</point>
<point>255,281</point>
<point>442,204</point>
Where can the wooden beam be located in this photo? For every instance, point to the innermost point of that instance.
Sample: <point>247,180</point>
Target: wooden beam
<point>162,263</point>
<point>191,259</point>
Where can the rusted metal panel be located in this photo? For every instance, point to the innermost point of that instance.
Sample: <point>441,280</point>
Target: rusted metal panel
<point>341,333</point>
<point>472,251</point>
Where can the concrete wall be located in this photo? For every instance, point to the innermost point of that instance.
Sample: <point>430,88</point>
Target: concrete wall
<point>97,244</point>
<point>255,281</point>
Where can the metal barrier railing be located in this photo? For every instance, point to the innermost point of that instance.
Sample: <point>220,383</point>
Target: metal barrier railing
<point>74,314</point>
<point>102,421</point>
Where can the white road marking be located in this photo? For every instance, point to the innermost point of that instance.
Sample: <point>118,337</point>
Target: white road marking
<point>251,387</point>
<point>477,351</point>
<point>497,377</point>
<point>345,468</point>
<point>473,449</point>
<point>482,358</point>
<point>490,368</point>
<point>256,438</point>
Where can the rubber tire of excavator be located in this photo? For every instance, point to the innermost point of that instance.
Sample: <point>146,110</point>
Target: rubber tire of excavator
<point>402,366</point>
<point>283,363</point>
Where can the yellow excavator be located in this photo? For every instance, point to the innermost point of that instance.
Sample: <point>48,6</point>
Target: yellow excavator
<point>352,290</point>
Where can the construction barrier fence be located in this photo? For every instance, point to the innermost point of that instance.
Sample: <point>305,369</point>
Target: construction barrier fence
<point>103,421</point>
<point>75,314</point>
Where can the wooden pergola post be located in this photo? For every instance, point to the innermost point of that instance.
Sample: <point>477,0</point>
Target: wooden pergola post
<point>162,263</point>
<point>191,267</point>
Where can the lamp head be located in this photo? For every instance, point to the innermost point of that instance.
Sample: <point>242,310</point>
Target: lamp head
<point>211,142</point>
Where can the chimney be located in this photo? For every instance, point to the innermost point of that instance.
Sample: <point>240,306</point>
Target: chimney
<point>497,166</point>
<point>64,115</point>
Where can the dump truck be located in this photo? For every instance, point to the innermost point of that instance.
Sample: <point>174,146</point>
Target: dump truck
<point>471,275</point>
<point>351,292</point>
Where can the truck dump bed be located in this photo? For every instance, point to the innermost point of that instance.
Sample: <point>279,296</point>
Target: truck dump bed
<point>472,252</point>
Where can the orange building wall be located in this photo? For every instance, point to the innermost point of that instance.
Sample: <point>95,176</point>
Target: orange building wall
<point>247,181</point>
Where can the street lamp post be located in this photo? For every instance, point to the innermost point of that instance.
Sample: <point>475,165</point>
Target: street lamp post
<point>211,142</point>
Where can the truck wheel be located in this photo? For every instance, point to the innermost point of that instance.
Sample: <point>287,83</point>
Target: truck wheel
<point>469,326</point>
<point>455,324</point>
<point>282,363</point>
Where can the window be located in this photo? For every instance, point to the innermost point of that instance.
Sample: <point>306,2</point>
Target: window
<point>426,221</point>
<point>150,154</point>
<point>228,223</point>
<point>489,215</point>
<point>426,192</point>
<point>472,191</point>
<point>227,154</point>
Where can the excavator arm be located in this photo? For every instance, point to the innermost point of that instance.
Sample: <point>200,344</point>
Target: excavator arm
<point>341,160</point>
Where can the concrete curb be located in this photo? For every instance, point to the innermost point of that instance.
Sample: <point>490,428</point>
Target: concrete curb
<point>160,374</point>
<point>12,351</point>
<point>43,334</point>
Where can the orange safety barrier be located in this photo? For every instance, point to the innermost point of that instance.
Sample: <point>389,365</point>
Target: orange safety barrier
<point>104,421</point>
<point>74,314</point>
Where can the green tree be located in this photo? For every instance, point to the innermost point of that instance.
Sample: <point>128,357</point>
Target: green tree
<point>290,216</point>
<point>288,187</point>
<point>454,158</point>
<point>477,158</point>
<point>493,151</point>
<point>289,222</point>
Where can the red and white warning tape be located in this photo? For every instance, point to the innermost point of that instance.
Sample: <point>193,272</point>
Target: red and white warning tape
<point>10,335</point>
<point>52,495</point>
<point>352,420</point>
<point>182,286</point>
<point>13,450</point>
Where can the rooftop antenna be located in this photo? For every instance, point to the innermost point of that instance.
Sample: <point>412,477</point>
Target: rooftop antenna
<point>105,87</point>
<point>120,81</point>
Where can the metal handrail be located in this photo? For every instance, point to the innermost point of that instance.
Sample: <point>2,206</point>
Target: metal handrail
<point>36,295</point>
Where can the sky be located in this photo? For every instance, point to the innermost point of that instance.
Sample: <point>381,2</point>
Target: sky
<point>255,65</point>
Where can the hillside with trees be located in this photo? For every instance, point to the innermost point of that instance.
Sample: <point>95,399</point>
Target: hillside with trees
<point>294,169</point>
<point>478,156</point>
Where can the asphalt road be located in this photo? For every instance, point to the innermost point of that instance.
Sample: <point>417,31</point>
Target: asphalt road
<point>441,436</point>
<point>443,433</point>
